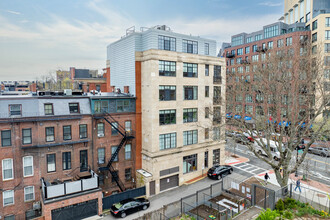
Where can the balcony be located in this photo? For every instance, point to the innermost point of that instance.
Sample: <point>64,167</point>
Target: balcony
<point>262,49</point>
<point>217,79</point>
<point>230,55</point>
<point>59,189</point>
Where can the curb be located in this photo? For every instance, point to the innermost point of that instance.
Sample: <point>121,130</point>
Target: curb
<point>195,180</point>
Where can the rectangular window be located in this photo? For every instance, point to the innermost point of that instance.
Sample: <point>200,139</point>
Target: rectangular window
<point>74,107</point>
<point>122,105</point>
<point>216,157</point>
<point>101,156</point>
<point>190,92</point>
<point>167,93</point>
<point>167,117</point>
<point>9,217</point>
<point>206,49</point>
<point>327,22</point>
<point>7,169</point>
<point>28,166</point>
<point>190,163</point>
<point>190,137</point>
<point>83,131</point>
<point>8,197</point>
<point>249,109</point>
<point>6,138</point>
<point>48,109</point>
<point>189,46</point>
<point>66,160</point>
<point>280,43</point>
<point>166,43</point>
<point>128,126</point>
<point>314,37</point>
<point>254,48</point>
<point>238,108</point>
<point>101,106</point>
<point>302,11</point>
<point>217,74</point>
<point>247,50</point>
<point>116,174</point>
<point>206,159</point>
<point>258,37</point>
<point>327,48</point>
<point>50,134</point>
<point>113,150</point>
<point>248,98</point>
<point>207,112</point>
<point>167,68</point>
<point>240,51</point>
<point>314,25</point>
<point>271,31</point>
<point>216,133</point>
<point>67,132</point>
<point>189,115</point>
<point>83,160</point>
<point>100,129</point>
<point>128,151</point>
<point>327,35</point>
<point>190,70</point>
<point>28,193</point>
<point>114,131</point>
<point>128,174</point>
<point>270,45</point>
<point>216,115</point>
<point>15,110</point>
<point>249,39</point>
<point>207,133</point>
<point>167,141</point>
<point>51,163</point>
<point>255,58</point>
<point>289,41</point>
<point>207,69</point>
<point>327,61</point>
<point>207,91</point>
<point>27,136</point>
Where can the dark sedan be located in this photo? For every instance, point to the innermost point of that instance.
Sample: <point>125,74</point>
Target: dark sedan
<point>218,171</point>
<point>129,206</point>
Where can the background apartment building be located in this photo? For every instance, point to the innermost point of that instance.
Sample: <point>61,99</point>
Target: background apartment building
<point>179,86</point>
<point>243,58</point>
<point>316,15</point>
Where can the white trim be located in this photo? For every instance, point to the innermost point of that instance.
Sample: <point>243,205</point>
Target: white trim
<point>3,197</point>
<point>12,170</point>
<point>25,194</point>
<point>24,167</point>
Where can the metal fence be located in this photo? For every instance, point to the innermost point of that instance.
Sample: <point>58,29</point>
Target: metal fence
<point>131,193</point>
<point>317,199</point>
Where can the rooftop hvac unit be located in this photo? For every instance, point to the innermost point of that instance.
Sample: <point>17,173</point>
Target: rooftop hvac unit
<point>67,92</point>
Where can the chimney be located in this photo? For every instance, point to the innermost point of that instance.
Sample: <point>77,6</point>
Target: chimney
<point>126,89</point>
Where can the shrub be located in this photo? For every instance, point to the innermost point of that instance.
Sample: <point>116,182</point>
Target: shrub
<point>289,203</point>
<point>288,215</point>
<point>268,215</point>
<point>279,205</point>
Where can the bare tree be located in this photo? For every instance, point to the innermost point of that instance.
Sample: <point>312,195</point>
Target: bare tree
<point>282,90</point>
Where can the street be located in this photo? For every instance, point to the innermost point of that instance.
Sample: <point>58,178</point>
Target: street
<point>317,167</point>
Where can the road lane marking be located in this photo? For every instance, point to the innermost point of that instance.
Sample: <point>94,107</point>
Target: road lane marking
<point>317,160</point>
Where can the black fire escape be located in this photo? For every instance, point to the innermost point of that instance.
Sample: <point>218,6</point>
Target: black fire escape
<point>127,135</point>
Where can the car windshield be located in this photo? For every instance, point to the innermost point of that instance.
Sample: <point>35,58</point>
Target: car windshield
<point>118,205</point>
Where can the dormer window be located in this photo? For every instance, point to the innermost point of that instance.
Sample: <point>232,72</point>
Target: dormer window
<point>15,110</point>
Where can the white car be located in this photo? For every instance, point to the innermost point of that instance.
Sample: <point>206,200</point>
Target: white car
<point>273,145</point>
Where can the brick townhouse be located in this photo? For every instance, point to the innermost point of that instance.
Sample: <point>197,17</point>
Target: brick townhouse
<point>51,150</point>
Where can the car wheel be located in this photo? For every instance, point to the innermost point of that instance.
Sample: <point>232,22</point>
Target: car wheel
<point>144,207</point>
<point>259,152</point>
<point>219,177</point>
<point>123,215</point>
<point>323,155</point>
<point>230,171</point>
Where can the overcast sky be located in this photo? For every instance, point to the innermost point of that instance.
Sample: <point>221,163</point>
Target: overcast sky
<point>41,36</point>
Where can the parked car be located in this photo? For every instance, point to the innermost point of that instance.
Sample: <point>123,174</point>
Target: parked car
<point>218,171</point>
<point>242,139</point>
<point>230,133</point>
<point>322,151</point>
<point>129,206</point>
<point>273,145</point>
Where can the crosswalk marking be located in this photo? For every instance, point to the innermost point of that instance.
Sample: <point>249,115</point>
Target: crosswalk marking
<point>249,168</point>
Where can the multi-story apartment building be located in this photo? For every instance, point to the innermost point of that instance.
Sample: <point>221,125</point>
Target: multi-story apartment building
<point>247,53</point>
<point>106,139</point>
<point>52,149</point>
<point>316,15</point>
<point>179,85</point>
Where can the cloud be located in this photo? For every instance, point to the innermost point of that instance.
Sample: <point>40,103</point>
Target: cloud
<point>270,4</point>
<point>13,12</point>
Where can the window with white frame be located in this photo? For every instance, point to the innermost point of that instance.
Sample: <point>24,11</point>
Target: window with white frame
<point>28,166</point>
<point>100,129</point>
<point>128,151</point>
<point>8,197</point>
<point>15,109</point>
<point>28,193</point>
<point>7,169</point>
<point>51,163</point>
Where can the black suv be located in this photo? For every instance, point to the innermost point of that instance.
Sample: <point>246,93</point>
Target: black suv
<point>218,171</point>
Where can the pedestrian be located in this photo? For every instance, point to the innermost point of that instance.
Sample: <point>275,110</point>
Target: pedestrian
<point>303,141</point>
<point>298,185</point>
<point>266,178</point>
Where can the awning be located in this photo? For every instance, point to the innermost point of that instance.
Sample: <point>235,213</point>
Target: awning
<point>237,117</point>
<point>228,115</point>
<point>247,118</point>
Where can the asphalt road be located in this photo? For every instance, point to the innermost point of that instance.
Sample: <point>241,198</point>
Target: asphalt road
<point>318,168</point>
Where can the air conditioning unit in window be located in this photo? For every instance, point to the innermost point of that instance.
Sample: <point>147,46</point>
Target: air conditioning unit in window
<point>100,135</point>
<point>36,205</point>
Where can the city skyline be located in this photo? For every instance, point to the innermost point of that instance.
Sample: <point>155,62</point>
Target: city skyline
<point>40,37</point>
